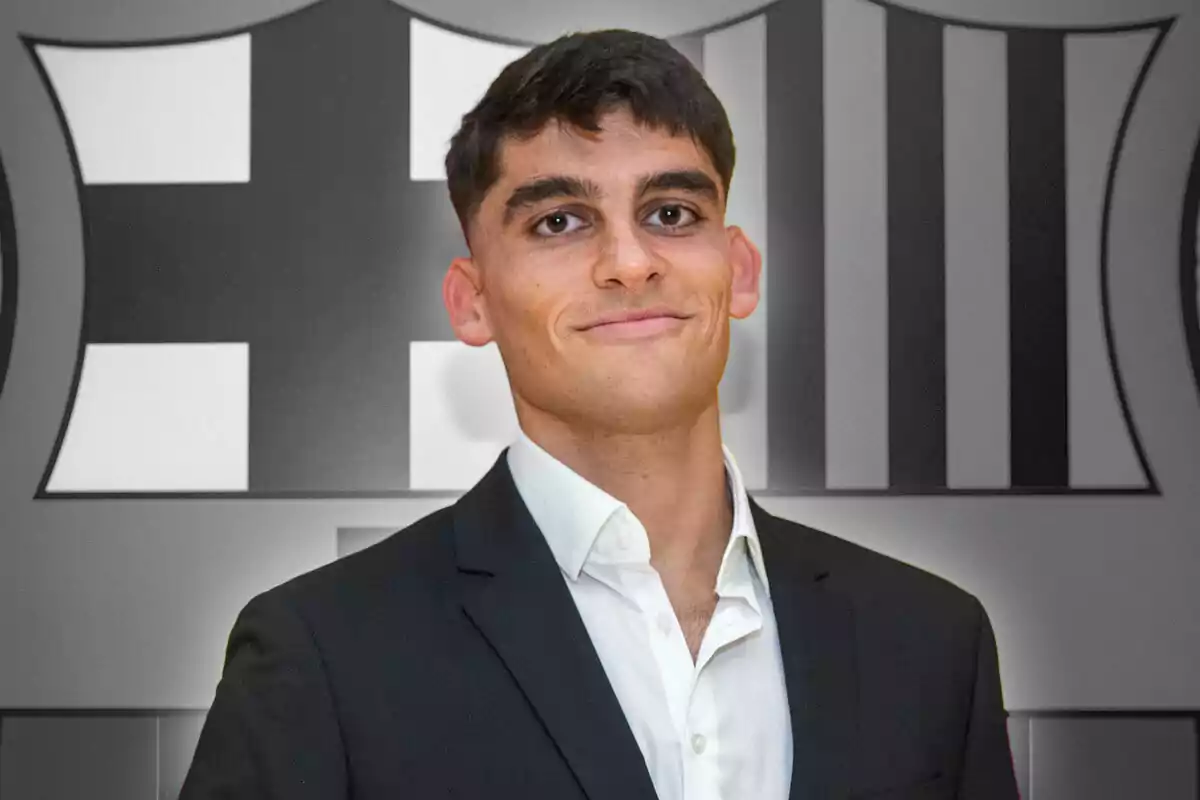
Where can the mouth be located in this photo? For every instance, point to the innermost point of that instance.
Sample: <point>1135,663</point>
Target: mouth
<point>644,328</point>
<point>634,315</point>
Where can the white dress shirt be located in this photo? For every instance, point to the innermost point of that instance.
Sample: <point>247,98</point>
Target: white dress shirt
<point>716,728</point>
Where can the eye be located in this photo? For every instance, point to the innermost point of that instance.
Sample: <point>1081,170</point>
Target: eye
<point>673,215</point>
<point>557,223</point>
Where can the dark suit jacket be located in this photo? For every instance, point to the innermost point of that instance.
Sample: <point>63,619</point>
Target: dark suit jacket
<point>449,661</point>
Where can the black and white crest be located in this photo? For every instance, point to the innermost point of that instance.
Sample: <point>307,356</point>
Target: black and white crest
<point>265,227</point>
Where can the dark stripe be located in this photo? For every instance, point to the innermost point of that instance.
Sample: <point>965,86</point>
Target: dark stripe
<point>1038,258</point>
<point>916,252</point>
<point>1188,276</point>
<point>8,277</point>
<point>160,267</point>
<point>360,248</point>
<point>329,379</point>
<point>796,246</point>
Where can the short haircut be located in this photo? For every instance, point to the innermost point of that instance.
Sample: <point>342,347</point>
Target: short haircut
<point>577,79</point>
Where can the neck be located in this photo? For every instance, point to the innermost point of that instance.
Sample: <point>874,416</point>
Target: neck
<point>673,481</point>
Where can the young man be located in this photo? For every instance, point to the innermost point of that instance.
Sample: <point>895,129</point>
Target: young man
<point>607,614</point>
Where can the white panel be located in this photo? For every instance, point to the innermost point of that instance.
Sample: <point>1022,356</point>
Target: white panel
<point>450,73</point>
<point>461,413</point>
<point>977,325</point>
<point>735,68</point>
<point>158,417</point>
<point>856,300</point>
<point>1100,72</point>
<point>171,114</point>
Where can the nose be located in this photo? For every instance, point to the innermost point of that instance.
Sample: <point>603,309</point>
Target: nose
<point>627,257</point>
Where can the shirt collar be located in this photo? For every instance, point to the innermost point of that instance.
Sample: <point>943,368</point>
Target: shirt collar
<point>571,511</point>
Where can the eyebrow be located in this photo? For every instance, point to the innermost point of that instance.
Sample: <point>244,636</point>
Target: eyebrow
<point>687,180</point>
<point>540,189</point>
<point>535,191</point>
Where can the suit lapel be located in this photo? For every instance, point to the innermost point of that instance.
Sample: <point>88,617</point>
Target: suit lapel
<point>514,592</point>
<point>816,639</point>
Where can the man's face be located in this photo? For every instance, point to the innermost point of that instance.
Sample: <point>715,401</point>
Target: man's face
<point>581,226</point>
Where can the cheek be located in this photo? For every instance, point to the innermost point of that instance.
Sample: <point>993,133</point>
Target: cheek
<point>701,261</point>
<point>707,276</point>
<point>525,309</point>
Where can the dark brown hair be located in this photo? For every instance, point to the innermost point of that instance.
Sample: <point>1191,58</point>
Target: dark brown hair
<point>576,79</point>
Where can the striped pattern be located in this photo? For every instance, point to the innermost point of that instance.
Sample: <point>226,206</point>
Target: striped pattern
<point>935,218</point>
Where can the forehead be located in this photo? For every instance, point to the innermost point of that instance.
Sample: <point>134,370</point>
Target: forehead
<point>621,150</point>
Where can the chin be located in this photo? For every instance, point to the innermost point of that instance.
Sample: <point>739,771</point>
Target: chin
<point>640,413</point>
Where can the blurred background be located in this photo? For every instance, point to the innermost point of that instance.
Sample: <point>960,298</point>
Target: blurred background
<point>224,359</point>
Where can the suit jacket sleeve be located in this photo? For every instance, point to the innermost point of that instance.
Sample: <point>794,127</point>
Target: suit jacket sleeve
<point>272,731</point>
<point>987,768</point>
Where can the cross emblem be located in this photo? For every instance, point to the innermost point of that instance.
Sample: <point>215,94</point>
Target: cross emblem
<point>328,262</point>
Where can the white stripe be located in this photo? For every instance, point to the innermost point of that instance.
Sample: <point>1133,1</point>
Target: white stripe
<point>158,417</point>
<point>856,388</point>
<point>168,114</point>
<point>461,413</point>
<point>450,73</point>
<point>1100,72</point>
<point>735,68</point>
<point>977,280</point>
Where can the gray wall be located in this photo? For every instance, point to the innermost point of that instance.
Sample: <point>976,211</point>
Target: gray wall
<point>972,354</point>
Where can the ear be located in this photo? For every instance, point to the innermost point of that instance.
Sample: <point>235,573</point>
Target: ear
<point>462,292</point>
<point>746,262</point>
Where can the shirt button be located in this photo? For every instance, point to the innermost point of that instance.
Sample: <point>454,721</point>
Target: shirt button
<point>698,743</point>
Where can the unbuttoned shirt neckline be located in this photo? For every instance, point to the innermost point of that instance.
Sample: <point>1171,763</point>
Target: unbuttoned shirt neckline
<point>595,528</point>
<point>593,534</point>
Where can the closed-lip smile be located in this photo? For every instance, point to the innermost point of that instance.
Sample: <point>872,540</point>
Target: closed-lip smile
<point>634,316</point>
